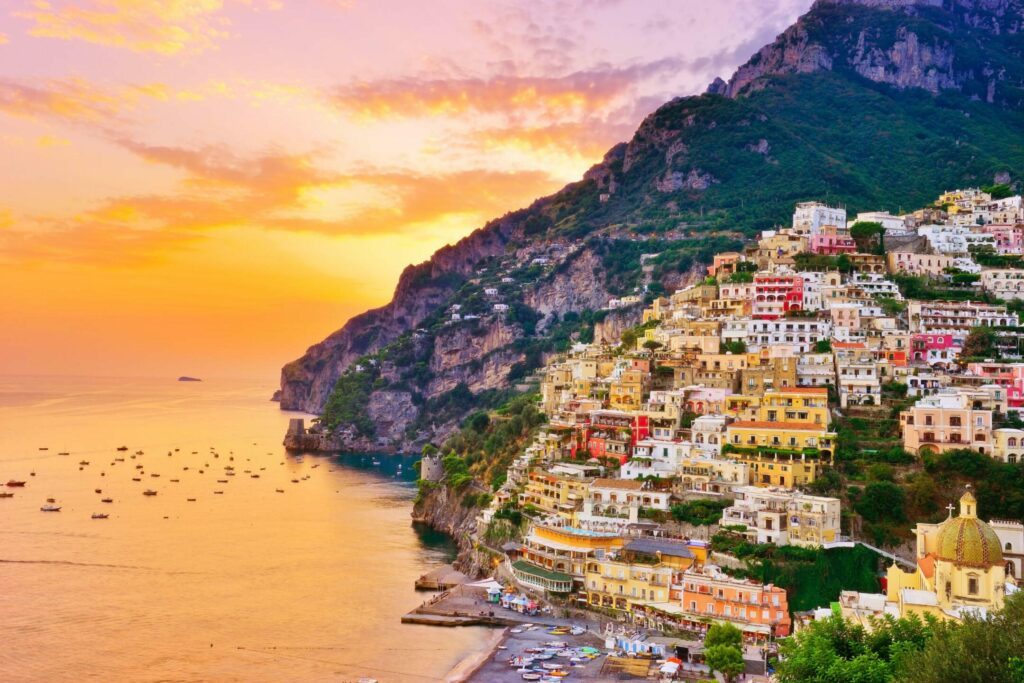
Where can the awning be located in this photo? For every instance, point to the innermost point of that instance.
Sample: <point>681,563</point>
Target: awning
<point>540,572</point>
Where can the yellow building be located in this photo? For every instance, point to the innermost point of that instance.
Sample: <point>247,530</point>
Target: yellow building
<point>960,568</point>
<point>787,471</point>
<point>781,436</point>
<point>551,554</point>
<point>556,494</point>
<point>627,392</point>
<point>641,573</point>
<point>767,374</point>
<point>805,405</point>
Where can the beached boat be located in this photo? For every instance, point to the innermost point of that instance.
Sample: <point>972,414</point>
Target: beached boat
<point>50,508</point>
<point>99,515</point>
<point>531,677</point>
<point>14,482</point>
<point>149,492</point>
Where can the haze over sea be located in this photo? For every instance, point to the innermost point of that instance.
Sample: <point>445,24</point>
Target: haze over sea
<point>247,585</point>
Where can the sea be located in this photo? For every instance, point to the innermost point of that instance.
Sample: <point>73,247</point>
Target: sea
<point>217,577</point>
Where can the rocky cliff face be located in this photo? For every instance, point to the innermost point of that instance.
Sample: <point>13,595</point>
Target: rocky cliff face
<point>442,509</point>
<point>928,44</point>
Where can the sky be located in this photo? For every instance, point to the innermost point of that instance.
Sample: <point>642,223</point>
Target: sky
<point>208,187</point>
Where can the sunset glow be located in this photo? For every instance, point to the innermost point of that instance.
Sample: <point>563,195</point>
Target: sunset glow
<point>208,186</point>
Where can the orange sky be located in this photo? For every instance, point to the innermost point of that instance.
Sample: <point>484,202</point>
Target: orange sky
<point>207,187</point>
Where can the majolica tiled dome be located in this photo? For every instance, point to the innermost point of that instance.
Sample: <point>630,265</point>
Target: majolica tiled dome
<point>966,540</point>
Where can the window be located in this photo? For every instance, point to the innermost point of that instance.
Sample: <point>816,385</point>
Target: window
<point>972,585</point>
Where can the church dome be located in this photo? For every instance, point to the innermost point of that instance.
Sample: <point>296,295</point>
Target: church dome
<point>966,540</point>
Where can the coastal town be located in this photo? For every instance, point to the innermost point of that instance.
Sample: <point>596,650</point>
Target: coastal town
<point>715,430</point>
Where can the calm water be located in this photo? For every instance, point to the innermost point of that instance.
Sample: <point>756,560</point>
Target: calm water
<point>247,585</point>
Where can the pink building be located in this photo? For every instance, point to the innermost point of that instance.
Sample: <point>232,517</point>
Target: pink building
<point>1008,375</point>
<point>933,348</point>
<point>1009,238</point>
<point>832,244</point>
<point>774,295</point>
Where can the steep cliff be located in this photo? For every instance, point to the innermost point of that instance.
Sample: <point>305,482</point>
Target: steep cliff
<point>869,103</point>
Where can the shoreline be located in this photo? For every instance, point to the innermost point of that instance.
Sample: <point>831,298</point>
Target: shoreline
<point>469,665</point>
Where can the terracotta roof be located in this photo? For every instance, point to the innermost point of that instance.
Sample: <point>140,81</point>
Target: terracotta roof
<point>849,345</point>
<point>797,426</point>
<point>927,565</point>
<point>631,484</point>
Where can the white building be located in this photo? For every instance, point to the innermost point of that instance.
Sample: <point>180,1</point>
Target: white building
<point>784,516</point>
<point>894,225</point>
<point>1005,283</point>
<point>799,334</point>
<point>809,217</point>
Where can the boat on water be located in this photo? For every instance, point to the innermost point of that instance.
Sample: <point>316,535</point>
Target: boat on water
<point>122,448</point>
<point>174,481</point>
<point>376,461</point>
<point>50,508</point>
<point>44,448</point>
<point>219,493</point>
<point>255,476</point>
<point>99,515</point>
<point>83,462</point>
<point>149,492</point>
<point>278,490</point>
<point>64,453</point>
<point>51,500</point>
<point>222,481</point>
<point>99,490</point>
<point>136,478</point>
<point>15,482</point>
<point>190,500</point>
<point>106,500</point>
<point>6,494</point>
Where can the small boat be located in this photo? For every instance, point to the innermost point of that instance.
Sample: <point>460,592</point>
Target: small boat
<point>230,474</point>
<point>531,676</point>
<point>278,490</point>
<point>255,476</point>
<point>191,500</point>
<point>375,461</point>
<point>106,500</point>
<point>294,481</point>
<point>122,448</point>
<point>32,474</point>
<point>51,500</point>
<point>154,475</point>
<point>138,467</point>
<point>219,493</point>
<point>149,492</point>
<point>6,494</point>
<point>99,490</point>
<point>50,508</point>
<point>99,515</point>
<point>83,462</point>
<point>118,459</point>
<point>222,481</point>
<point>44,448</point>
<point>136,478</point>
<point>14,482</point>
<point>138,453</point>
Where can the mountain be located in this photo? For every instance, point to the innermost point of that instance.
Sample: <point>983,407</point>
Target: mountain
<point>874,104</point>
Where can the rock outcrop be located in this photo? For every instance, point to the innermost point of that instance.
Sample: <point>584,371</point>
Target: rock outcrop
<point>442,509</point>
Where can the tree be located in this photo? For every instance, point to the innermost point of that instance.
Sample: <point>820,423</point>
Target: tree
<point>980,343</point>
<point>723,634</point>
<point>651,345</point>
<point>736,346</point>
<point>823,346</point>
<point>725,659</point>
<point>868,236</point>
<point>882,501</point>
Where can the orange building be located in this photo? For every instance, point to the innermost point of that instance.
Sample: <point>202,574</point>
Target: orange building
<point>759,610</point>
